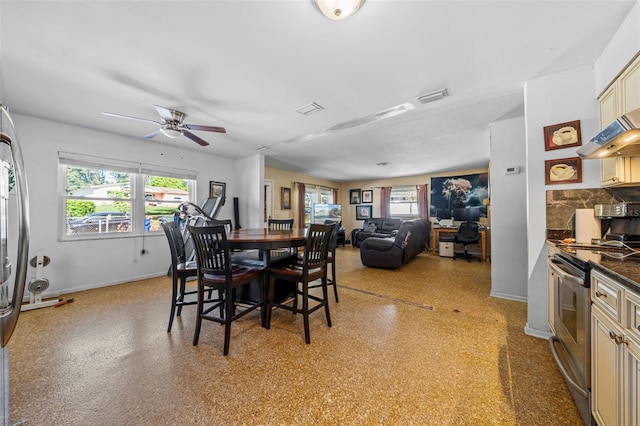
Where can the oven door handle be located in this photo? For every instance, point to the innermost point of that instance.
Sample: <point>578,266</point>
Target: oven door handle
<point>553,340</point>
<point>563,274</point>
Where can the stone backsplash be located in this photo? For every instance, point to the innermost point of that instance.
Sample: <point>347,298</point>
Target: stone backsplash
<point>562,205</point>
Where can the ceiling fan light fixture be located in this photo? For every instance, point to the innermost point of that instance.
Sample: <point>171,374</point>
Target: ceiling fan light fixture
<point>337,9</point>
<point>171,132</point>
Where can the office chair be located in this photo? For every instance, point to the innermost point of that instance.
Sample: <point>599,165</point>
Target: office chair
<point>467,234</point>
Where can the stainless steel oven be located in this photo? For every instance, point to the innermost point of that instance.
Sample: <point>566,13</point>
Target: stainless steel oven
<point>571,344</point>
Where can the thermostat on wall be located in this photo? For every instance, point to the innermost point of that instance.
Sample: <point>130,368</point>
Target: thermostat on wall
<point>512,170</point>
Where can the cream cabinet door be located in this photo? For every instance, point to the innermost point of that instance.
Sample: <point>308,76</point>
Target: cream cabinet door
<point>606,370</point>
<point>629,87</point>
<point>633,385</point>
<point>609,106</point>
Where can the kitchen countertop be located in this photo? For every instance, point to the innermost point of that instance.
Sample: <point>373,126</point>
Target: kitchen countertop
<point>625,270</point>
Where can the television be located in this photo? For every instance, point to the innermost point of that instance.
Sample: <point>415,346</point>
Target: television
<point>451,192</point>
<point>470,214</point>
<point>320,213</point>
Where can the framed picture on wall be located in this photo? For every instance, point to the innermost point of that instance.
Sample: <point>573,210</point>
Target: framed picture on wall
<point>354,196</point>
<point>562,135</point>
<point>563,170</point>
<point>367,196</point>
<point>217,189</point>
<point>286,198</point>
<point>363,212</point>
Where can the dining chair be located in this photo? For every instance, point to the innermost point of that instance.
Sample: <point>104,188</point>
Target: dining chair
<point>331,258</point>
<point>216,271</point>
<point>312,266</point>
<point>180,271</point>
<point>280,224</point>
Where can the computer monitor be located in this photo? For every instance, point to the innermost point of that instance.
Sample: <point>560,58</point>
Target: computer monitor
<point>471,214</point>
<point>443,214</point>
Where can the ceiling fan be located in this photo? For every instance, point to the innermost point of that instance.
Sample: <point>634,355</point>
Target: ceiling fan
<point>171,125</point>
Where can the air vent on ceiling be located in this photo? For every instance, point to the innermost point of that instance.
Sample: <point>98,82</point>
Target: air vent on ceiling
<point>310,108</point>
<point>433,96</point>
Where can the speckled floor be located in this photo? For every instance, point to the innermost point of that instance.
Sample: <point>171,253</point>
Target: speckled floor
<point>422,345</point>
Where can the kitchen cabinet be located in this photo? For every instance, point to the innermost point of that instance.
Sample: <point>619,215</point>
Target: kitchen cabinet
<point>615,352</point>
<point>622,96</point>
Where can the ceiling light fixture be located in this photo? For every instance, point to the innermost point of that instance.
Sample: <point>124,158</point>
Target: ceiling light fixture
<point>171,132</point>
<point>337,9</point>
<point>433,96</point>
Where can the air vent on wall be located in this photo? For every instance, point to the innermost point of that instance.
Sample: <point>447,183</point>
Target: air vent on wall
<point>433,96</point>
<point>310,108</point>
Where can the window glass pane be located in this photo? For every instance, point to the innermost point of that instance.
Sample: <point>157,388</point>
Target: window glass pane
<point>404,202</point>
<point>162,196</point>
<point>97,183</point>
<point>87,217</point>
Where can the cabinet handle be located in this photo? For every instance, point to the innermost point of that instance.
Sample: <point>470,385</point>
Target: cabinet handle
<point>618,339</point>
<point>598,294</point>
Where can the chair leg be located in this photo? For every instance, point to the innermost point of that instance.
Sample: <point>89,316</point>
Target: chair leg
<point>230,311</point>
<point>333,279</point>
<point>325,294</point>
<point>180,296</point>
<point>270,291</point>
<point>174,295</point>
<point>305,311</point>
<point>196,334</point>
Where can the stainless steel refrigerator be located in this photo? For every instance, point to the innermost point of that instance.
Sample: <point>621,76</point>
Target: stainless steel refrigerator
<point>14,245</point>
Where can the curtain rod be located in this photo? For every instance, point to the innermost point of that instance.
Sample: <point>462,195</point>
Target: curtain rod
<point>316,184</point>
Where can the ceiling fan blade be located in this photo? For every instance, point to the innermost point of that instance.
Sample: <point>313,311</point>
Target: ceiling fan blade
<point>152,134</point>
<point>195,138</point>
<point>165,113</point>
<point>205,128</point>
<point>111,114</point>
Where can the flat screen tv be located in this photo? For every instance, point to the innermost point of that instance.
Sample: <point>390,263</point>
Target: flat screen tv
<point>452,192</point>
<point>323,212</point>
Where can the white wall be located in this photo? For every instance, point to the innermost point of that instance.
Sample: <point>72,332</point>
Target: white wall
<point>620,50</point>
<point>549,100</point>
<point>508,211</point>
<point>250,180</point>
<point>78,265</point>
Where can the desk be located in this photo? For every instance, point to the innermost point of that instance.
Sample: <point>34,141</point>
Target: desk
<point>436,230</point>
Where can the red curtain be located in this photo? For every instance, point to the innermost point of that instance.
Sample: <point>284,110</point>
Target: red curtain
<point>423,208</point>
<point>385,201</point>
<point>300,215</point>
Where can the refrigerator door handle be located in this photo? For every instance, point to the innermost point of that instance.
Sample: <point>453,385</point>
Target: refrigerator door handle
<point>9,314</point>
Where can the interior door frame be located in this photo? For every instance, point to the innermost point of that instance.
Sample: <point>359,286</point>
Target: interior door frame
<point>268,200</point>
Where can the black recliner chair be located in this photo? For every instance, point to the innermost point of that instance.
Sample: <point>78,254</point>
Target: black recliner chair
<point>467,234</point>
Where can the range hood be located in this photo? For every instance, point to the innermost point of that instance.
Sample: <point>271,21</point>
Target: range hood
<point>622,137</point>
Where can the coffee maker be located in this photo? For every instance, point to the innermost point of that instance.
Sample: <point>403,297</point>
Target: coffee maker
<point>620,222</point>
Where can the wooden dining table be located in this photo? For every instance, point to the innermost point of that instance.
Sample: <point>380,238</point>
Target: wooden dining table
<point>260,248</point>
<point>265,240</point>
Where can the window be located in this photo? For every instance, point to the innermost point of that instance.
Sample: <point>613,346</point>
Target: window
<point>108,198</point>
<point>404,202</point>
<point>315,195</point>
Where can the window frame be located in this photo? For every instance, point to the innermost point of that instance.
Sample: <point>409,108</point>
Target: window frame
<point>405,188</point>
<point>137,199</point>
<point>315,193</point>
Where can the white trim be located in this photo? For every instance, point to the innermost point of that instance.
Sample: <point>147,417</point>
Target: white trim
<point>541,334</point>
<point>507,296</point>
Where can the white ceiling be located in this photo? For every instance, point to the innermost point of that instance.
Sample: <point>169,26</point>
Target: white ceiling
<point>248,65</point>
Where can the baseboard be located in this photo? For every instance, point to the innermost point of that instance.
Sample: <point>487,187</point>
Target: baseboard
<point>541,334</point>
<point>507,296</point>
<point>104,284</point>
